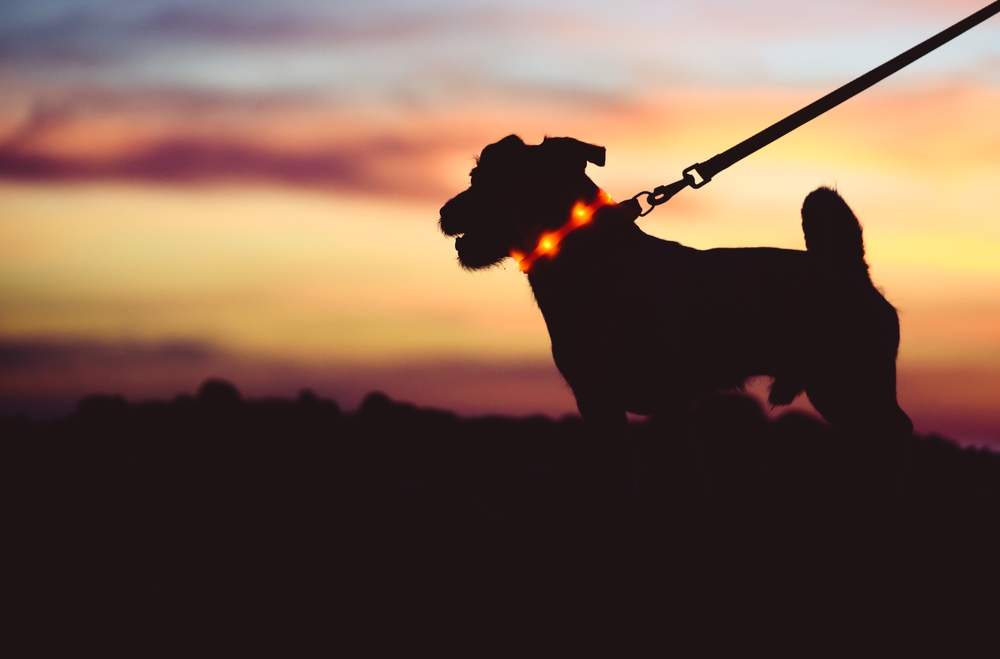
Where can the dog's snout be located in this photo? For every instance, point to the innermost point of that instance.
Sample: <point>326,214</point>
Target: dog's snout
<point>450,226</point>
<point>453,215</point>
<point>448,208</point>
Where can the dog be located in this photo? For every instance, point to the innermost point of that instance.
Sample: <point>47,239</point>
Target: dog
<point>644,325</point>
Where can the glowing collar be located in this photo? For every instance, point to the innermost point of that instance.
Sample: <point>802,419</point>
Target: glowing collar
<point>548,243</point>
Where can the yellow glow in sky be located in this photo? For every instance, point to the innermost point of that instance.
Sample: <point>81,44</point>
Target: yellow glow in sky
<point>272,271</point>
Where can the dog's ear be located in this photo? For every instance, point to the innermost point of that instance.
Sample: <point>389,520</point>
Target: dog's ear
<point>576,149</point>
<point>505,147</point>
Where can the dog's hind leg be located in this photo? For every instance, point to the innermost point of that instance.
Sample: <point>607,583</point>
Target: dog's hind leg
<point>861,406</point>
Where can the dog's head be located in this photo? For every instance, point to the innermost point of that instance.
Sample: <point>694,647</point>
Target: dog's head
<point>518,192</point>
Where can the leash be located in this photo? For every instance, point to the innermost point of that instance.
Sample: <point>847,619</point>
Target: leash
<point>706,170</point>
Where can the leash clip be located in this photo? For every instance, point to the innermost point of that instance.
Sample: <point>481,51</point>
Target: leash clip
<point>662,194</point>
<point>642,213</point>
<point>688,176</point>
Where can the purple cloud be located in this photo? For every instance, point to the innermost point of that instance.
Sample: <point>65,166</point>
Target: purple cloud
<point>381,166</point>
<point>95,34</point>
<point>17,356</point>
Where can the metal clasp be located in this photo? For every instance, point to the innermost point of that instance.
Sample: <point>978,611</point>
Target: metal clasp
<point>694,168</point>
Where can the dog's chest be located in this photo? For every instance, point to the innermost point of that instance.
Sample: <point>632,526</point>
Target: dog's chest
<point>599,294</point>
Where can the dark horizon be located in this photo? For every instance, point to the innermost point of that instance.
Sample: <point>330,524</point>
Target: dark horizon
<point>465,387</point>
<point>292,513</point>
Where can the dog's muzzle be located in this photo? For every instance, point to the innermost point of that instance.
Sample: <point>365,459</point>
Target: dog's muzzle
<point>455,212</point>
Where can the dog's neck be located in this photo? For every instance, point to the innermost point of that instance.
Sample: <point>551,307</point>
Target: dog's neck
<point>547,244</point>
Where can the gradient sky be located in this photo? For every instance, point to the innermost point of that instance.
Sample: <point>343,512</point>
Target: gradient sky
<point>248,190</point>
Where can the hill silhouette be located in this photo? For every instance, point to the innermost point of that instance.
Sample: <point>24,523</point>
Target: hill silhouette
<point>264,521</point>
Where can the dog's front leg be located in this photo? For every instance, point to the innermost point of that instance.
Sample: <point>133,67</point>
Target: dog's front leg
<point>610,448</point>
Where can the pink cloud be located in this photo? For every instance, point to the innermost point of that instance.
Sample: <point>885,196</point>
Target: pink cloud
<point>369,167</point>
<point>207,138</point>
<point>210,137</point>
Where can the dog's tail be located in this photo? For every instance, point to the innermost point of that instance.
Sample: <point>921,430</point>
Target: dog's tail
<point>832,231</point>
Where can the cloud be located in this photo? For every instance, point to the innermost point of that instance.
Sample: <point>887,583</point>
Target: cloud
<point>18,356</point>
<point>230,24</point>
<point>209,138</point>
<point>286,139</point>
<point>96,33</point>
<point>369,167</point>
<point>304,141</point>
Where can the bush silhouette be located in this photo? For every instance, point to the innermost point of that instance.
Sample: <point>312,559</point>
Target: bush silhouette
<point>233,509</point>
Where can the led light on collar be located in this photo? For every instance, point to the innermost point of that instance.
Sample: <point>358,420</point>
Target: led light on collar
<point>548,243</point>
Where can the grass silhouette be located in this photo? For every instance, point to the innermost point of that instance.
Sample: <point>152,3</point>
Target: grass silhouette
<point>415,528</point>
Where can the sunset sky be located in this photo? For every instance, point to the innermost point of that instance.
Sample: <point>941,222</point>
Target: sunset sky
<point>249,190</point>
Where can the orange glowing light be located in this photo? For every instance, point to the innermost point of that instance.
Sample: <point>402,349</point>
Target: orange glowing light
<point>548,243</point>
<point>581,214</point>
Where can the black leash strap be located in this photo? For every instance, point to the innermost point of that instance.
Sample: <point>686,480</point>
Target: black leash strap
<point>706,170</point>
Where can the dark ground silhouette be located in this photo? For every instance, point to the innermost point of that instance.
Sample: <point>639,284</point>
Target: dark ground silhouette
<point>279,524</point>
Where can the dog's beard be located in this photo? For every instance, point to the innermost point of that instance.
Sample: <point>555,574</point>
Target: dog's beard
<point>475,252</point>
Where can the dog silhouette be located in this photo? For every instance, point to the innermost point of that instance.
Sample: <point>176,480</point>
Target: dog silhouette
<point>645,325</point>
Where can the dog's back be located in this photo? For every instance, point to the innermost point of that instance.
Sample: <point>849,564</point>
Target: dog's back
<point>758,301</point>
